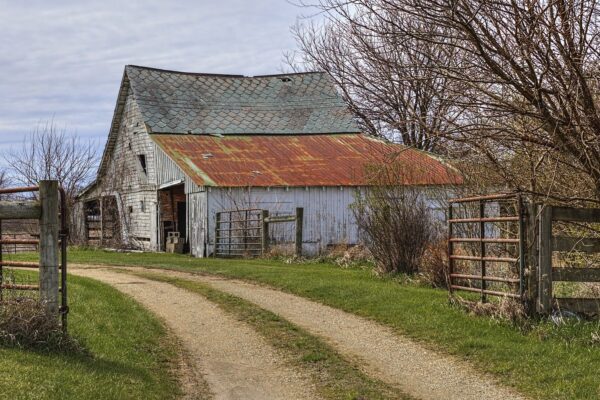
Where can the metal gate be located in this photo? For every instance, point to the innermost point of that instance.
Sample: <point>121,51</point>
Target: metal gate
<point>486,246</point>
<point>239,233</point>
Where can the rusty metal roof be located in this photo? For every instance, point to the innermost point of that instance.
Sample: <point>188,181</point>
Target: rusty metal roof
<point>181,102</point>
<point>299,160</point>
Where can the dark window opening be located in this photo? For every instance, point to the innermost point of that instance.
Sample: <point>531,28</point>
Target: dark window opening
<point>142,158</point>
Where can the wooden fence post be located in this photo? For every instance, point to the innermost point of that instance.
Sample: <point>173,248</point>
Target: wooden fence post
<point>545,262</point>
<point>532,256</point>
<point>49,231</point>
<point>299,222</point>
<point>217,233</point>
<point>264,214</point>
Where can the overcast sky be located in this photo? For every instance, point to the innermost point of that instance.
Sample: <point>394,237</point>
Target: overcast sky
<point>64,60</point>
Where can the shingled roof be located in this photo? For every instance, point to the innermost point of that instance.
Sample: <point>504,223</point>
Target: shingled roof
<point>291,104</point>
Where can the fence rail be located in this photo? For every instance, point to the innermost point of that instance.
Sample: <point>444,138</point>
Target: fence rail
<point>548,273</point>
<point>50,211</point>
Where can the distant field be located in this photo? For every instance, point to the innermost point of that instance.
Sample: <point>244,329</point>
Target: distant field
<point>130,354</point>
<point>541,360</point>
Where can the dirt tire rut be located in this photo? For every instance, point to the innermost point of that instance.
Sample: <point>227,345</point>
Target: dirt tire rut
<point>385,355</point>
<point>235,361</point>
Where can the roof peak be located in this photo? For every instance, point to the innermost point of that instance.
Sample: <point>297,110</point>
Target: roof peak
<point>221,75</point>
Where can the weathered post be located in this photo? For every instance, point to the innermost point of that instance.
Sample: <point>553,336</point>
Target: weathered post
<point>299,221</point>
<point>264,214</point>
<point>49,254</point>
<point>217,233</point>
<point>532,256</point>
<point>545,261</point>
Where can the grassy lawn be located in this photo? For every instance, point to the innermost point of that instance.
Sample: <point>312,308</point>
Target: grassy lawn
<point>129,354</point>
<point>542,361</point>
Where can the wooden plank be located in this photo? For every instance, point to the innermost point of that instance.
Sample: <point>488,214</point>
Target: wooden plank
<point>265,231</point>
<point>20,209</point>
<point>545,262</point>
<point>281,218</point>
<point>299,226</point>
<point>567,243</point>
<point>482,250</point>
<point>576,214</point>
<point>570,274</point>
<point>19,241</point>
<point>532,256</point>
<point>19,287</point>
<point>49,253</point>
<point>450,250</point>
<point>217,235</point>
<point>20,264</point>
<point>580,305</point>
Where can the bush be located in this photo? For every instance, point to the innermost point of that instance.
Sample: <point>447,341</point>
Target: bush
<point>27,324</point>
<point>398,226</point>
<point>435,268</point>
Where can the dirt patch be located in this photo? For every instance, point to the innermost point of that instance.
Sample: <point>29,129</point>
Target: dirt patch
<point>385,355</point>
<point>233,359</point>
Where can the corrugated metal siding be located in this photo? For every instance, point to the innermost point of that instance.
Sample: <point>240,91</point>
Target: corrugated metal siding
<point>327,215</point>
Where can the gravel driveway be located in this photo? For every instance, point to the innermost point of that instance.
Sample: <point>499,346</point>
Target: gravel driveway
<point>384,354</point>
<point>235,361</point>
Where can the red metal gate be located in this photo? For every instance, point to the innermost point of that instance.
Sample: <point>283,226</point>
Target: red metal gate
<point>486,245</point>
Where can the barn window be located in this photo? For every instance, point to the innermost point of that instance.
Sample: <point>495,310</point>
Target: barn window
<point>142,158</point>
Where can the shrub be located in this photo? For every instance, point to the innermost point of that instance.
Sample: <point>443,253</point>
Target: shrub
<point>397,224</point>
<point>435,269</point>
<point>27,324</point>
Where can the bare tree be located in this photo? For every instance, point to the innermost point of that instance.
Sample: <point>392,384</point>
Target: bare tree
<point>51,153</point>
<point>4,178</point>
<point>386,76</point>
<point>527,71</point>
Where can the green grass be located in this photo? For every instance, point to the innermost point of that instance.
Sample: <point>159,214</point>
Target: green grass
<point>333,376</point>
<point>129,354</point>
<point>543,361</point>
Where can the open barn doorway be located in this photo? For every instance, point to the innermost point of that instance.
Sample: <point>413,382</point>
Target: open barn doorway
<point>102,222</point>
<point>172,210</point>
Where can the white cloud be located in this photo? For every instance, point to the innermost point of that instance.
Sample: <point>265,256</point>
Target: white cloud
<point>63,60</point>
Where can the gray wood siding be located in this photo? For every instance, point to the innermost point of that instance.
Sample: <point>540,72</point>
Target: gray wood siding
<point>125,178</point>
<point>197,223</point>
<point>166,169</point>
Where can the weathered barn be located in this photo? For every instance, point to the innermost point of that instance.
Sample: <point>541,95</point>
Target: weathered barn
<point>183,146</point>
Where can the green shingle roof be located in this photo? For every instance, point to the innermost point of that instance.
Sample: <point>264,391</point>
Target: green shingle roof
<point>177,102</point>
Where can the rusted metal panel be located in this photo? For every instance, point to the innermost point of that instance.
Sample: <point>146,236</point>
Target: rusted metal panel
<point>310,160</point>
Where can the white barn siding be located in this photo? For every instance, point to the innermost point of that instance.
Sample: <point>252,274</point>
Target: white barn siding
<point>328,218</point>
<point>134,190</point>
<point>197,223</point>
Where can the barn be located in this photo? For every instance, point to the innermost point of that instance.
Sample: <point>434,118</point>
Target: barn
<point>184,146</point>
